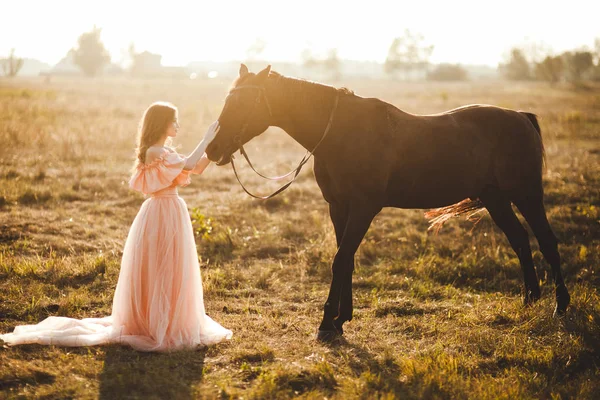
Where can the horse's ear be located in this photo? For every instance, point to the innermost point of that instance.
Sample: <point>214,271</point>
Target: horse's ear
<point>243,69</point>
<point>262,75</point>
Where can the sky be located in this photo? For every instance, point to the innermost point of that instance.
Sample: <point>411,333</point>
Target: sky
<point>462,31</point>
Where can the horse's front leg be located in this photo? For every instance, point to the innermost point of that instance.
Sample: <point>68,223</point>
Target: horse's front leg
<point>346,308</point>
<point>339,216</point>
<point>357,223</point>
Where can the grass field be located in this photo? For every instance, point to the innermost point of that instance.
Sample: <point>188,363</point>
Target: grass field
<point>436,316</point>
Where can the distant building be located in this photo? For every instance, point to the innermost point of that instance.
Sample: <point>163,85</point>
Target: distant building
<point>146,64</point>
<point>66,66</point>
<point>32,67</point>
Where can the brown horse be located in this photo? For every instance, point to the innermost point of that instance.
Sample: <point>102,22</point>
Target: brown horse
<point>370,155</point>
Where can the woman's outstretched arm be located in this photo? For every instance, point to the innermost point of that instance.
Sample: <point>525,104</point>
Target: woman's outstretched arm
<point>201,165</point>
<point>195,156</point>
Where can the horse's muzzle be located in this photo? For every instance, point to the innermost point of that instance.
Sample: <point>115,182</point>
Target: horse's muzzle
<point>224,160</point>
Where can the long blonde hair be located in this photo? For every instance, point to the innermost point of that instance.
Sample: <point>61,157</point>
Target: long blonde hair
<point>153,126</point>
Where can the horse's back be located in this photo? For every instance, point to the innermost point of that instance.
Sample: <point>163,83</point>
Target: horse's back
<point>428,161</point>
<point>518,149</point>
<point>443,158</point>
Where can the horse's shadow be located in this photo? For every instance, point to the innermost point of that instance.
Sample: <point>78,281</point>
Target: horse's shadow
<point>131,374</point>
<point>363,359</point>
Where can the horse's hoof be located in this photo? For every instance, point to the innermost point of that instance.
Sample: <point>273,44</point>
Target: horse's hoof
<point>338,326</point>
<point>560,309</point>
<point>328,336</point>
<point>531,297</point>
<point>558,312</point>
<point>563,299</point>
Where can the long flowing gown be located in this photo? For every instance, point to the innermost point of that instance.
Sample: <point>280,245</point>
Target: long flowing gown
<point>158,303</point>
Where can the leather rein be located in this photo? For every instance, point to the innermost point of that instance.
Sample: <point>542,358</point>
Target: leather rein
<point>296,171</point>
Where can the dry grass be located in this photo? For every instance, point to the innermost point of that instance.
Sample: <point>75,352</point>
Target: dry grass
<point>437,316</point>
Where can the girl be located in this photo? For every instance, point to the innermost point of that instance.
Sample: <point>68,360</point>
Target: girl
<point>158,303</point>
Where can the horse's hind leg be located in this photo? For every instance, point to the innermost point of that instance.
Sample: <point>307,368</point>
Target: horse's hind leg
<point>532,208</point>
<point>503,215</point>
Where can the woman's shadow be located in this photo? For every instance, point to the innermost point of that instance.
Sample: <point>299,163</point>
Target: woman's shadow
<point>132,374</point>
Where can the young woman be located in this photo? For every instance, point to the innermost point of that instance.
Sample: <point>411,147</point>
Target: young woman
<point>158,303</point>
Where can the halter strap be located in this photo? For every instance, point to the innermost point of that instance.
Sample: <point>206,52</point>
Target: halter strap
<point>295,171</point>
<point>262,91</point>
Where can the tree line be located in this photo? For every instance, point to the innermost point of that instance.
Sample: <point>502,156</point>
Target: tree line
<point>574,66</point>
<point>407,58</point>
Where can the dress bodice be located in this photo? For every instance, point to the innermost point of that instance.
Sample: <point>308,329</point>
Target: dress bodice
<point>162,176</point>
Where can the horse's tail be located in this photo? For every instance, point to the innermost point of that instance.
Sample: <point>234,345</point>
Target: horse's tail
<point>534,121</point>
<point>438,216</point>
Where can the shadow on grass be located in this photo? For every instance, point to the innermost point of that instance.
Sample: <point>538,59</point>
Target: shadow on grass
<point>131,374</point>
<point>363,359</point>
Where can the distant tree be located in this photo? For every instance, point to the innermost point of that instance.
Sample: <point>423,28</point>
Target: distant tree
<point>90,55</point>
<point>393,61</point>
<point>329,64</point>
<point>551,69</point>
<point>535,52</point>
<point>448,72</point>
<point>333,64</point>
<point>308,58</point>
<point>12,64</point>
<point>517,68</point>
<point>407,53</point>
<point>131,55</point>
<point>595,75</point>
<point>577,64</point>
<point>256,49</point>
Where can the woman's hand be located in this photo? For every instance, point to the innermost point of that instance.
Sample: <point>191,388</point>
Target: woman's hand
<point>212,131</point>
<point>196,155</point>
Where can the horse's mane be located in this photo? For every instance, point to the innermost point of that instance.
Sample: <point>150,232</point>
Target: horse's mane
<point>298,84</point>
<point>304,90</point>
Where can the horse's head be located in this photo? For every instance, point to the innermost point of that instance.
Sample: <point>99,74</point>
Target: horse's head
<point>246,114</point>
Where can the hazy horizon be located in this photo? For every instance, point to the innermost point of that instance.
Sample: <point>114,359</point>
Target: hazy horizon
<point>464,32</point>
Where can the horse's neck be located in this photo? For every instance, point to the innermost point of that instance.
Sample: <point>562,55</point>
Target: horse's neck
<point>304,120</point>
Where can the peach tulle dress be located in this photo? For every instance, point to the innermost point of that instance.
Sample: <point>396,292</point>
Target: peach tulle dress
<point>158,303</point>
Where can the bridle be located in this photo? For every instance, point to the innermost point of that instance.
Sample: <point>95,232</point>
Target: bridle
<point>238,141</point>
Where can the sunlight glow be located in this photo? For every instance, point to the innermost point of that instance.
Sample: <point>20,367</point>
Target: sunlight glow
<point>463,31</point>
